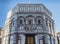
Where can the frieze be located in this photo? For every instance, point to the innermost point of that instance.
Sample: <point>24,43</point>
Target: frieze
<point>31,8</point>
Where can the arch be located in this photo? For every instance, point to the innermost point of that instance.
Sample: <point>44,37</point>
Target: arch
<point>20,17</point>
<point>38,20</point>
<point>29,16</point>
<point>30,19</point>
<point>39,17</point>
<point>20,20</point>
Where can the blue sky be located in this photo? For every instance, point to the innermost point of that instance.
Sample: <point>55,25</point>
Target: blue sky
<point>52,5</point>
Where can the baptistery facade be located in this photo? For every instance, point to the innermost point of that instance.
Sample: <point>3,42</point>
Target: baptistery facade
<point>29,24</point>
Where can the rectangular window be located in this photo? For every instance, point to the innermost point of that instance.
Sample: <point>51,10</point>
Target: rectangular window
<point>0,40</point>
<point>50,25</point>
<point>30,21</point>
<point>19,41</point>
<point>0,32</point>
<point>53,26</point>
<point>39,21</point>
<point>20,21</point>
<point>40,41</point>
<point>46,20</point>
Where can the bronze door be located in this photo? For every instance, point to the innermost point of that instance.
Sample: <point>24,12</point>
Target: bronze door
<point>30,39</point>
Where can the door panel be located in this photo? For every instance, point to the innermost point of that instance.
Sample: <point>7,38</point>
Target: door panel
<point>30,39</point>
